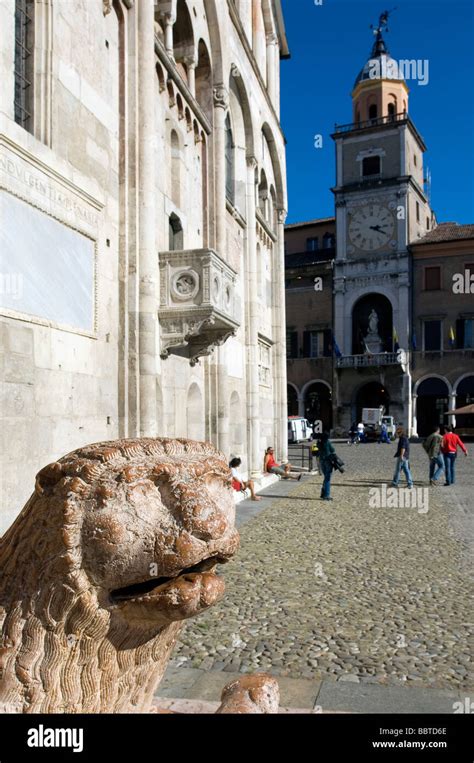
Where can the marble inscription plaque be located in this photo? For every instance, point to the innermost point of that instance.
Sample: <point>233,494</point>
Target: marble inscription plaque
<point>50,266</point>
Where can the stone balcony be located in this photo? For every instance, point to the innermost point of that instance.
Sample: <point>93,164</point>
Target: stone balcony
<point>199,307</point>
<point>377,359</point>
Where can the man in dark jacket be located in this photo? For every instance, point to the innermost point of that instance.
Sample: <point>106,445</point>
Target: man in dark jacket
<point>403,459</point>
<point>326,449</point>
<point>432,446</point>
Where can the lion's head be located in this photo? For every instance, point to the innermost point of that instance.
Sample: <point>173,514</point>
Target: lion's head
<point>119,543</point>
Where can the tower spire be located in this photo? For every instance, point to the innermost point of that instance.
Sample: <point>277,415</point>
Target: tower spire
<point>379,47</point>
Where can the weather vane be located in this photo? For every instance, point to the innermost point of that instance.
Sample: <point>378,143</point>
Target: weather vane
<point>383,21</point>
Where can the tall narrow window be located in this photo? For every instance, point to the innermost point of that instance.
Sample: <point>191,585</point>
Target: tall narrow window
<point>175,233</point>
<point>433,278</point>
<point>24,61</point>
<point>229,160</point>
<point>432,335</point>
<point>373,111</point>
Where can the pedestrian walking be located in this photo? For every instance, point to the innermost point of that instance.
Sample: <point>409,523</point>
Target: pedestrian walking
<point>432,446</point>
<point>326,451</point>
<point>361,432</point>
<point>449,447</point>
<point>403,459</point>
<point>383,437</point>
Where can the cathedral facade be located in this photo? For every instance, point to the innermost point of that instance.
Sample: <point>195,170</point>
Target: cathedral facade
<point>143,197</point>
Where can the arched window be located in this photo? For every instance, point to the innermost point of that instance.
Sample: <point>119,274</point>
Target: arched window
<point>391,109</point>
<point>263,196</point>
<point>204,79</point>
<point>373,111</point>
<point>183,39</point>
<point>229,160</point>
<point>24,63</point>
<point>175,233</point>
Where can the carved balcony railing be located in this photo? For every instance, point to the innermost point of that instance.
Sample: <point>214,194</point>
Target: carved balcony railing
<point>377,359</point>
<point>199,307</point>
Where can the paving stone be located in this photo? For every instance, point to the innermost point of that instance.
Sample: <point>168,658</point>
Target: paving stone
<point>370,698</point>
<point>178,681</point>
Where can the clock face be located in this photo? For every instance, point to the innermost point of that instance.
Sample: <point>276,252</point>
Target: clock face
<point>371,227</point>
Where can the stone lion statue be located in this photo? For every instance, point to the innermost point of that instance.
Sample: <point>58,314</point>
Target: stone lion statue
<point>117,546</point>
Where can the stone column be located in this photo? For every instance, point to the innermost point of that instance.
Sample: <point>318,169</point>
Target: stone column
<point>148,257</point>
<point>301,410</point>
<point>255,457</point>
<point>190,62</point>
<point>281,423</point>
<point>221,104</point>
<point>452,406</point>
<point>272,58</point>
<point>414,425</point>
<point>169,20</point>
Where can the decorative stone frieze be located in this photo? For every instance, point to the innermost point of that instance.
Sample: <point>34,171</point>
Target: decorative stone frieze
<point>199,308</point>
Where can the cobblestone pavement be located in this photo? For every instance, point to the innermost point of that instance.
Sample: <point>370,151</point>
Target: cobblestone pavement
<point>346,591</point>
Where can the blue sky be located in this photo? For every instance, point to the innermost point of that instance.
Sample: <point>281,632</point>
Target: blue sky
<point>329,44</point>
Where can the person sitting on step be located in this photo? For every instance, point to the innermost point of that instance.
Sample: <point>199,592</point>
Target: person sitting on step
<point>270,465</point>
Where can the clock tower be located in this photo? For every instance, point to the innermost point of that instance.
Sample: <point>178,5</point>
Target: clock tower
<point>381,207</point>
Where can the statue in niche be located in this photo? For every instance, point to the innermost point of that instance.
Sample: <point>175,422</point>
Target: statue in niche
<point>373,342</point>
<point>373,323</point>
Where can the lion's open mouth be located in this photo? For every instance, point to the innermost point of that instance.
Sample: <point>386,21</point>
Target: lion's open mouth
<point>155,585</point>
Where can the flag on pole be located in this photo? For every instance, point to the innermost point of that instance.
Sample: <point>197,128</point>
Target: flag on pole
<point>335,347</point>
<point>452,338</point>
<point>396,345</point>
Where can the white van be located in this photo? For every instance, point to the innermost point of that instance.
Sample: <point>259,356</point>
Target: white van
<point>299,429</point>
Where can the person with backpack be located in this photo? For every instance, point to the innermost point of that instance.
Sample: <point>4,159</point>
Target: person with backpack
<point>432,446</point>
<point>449,446</point>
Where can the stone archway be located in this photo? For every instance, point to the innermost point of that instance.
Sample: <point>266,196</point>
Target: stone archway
<point>465,396</point>
<point>318,404</point>
<point>292,397</point>
<point>236,424</point>
<point>195,413</point>
<point>433,400</point>
<point>371,395</point>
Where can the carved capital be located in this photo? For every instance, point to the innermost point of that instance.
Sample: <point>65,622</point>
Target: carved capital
<point>221,97</point>
<point>252,162</point>
<point>107,5</point>
<point>272,38</point>
<point>282,214</point>
<point>190,61</point>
